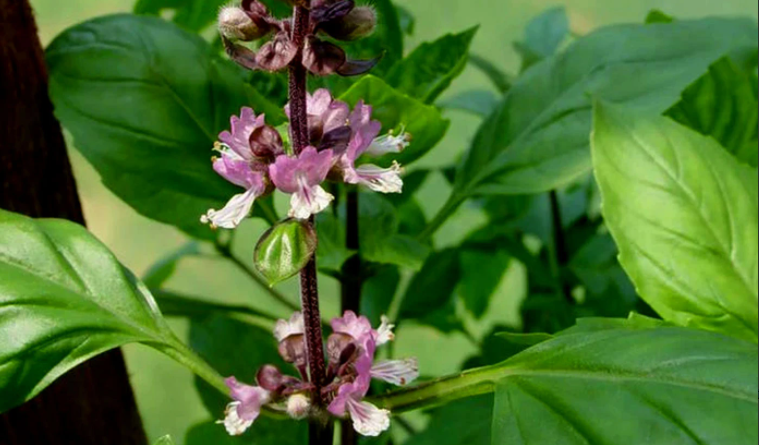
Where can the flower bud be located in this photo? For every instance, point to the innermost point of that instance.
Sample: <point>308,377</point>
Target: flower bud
<point>298,406</point>
<point>236,24</point>
<point>358,24</point>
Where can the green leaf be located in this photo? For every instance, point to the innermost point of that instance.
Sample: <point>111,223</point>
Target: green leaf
<point>478,102</point>
<point>215,336</point>
<point>396,110</point>
<point>657,16</point>
<point>379,240</point>
<point>543,36</point>
<point>142,98</point>
<point>165,440</point>
<point>481,273</point>
<point>331,252</point>
<point>160,271</point>
<point>537,139</point>
<point>285,249</point>
<point>433,286</point>
<point>684,215</point>
<point>432,66</point>
<point>192,15</point>
<point>722,104</point>
<point>466,422</point>
<point>634,384</point>
<point>500,80</point>
<point>64,298</point>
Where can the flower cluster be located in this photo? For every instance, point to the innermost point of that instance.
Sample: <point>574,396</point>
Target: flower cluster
<point>254,157</point>
<point>351,351</point>
<point>338,19</point>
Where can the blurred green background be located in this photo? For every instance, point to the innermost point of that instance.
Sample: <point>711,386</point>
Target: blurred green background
<point>165,391</point>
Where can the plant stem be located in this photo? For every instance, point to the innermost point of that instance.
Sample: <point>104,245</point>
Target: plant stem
<point>558,250</point>
<point>320,433</point>
<point>453,203</point>
<point>351,285</point>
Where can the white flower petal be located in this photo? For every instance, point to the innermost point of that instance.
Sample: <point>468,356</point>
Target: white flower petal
<point>368,420</point>
<point>383,180</point>
<point>397,372</point>
<point>309,201</point>
<point>384,331</point>
<point>233,213</point>
<point>286,328</point>
<point>233,423</point>
<point>388,143</point>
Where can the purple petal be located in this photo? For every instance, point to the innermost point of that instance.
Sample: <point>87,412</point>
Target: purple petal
<point>311,165</point>
<point>276,54</point>
<point>322,58</point>
<point>251,398</point>
<point>238,172</point>
<point>357,67</point>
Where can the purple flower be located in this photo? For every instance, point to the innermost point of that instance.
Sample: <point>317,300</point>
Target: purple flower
<point>245,152</point>
<point>244,410</point>
<point>301,177</point>
<point>367,419</point>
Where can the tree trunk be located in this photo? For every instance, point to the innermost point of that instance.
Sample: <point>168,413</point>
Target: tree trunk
<point>93,404</point>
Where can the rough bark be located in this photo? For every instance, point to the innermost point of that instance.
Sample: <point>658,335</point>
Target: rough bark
<point>93,404</point>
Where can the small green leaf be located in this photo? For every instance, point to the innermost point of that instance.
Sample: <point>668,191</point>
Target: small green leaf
<point>722,104</point>
<point>656,16</point>
<point>500,80</point>
<point>683,212</point>
<point>396,111</point>
<point>430,68</point>
<point>432,288</point>
<point>543,36</point>
<point>192,15</point>
<point>285,249</point>
<point>331,252</point>
<point>64,298</point>
<point>144,101</point>
<point>481,273</point>
<point>160,271</point>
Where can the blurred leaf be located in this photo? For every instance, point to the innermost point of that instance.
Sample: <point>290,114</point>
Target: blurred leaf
<point>379,239</point>
<point>331,251</point>
<point>722,104</point>
<point>64,298</point>
<point>179,305</point>
<point>478,102</point>
<point>481,273</point>
<point>498,78</point>
<point>142,98</point>
<point>378,291</point>
<point>432,288</point>
<point>432,66</point>
<point>285,249</point>
<point>160,271</point>
<point>396,110</point>
<point>193,15</point>
<point>263,432</point>
<point>466,422</point>
<point>500,345</point>
<point>537,139</point>
<point>165,440</point>
<point>406,20</point>
<point>633,384</point>
<point>656,16</point>
<point>543,36</point>
<point>234,348</point>
<point>684,215</point>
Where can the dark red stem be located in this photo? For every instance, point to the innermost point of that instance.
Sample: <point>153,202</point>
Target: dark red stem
<point>320,433</point>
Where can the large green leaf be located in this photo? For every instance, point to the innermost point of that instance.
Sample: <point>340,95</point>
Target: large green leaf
<point>396,111</point>
<point>683,212</point>
<point>722,104</point>
<point>64,298</point>
<point>466,422</point>
<point>431,67</point>
<point>538,137</point>
<point>622,383</point>
<point>144,101</point>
